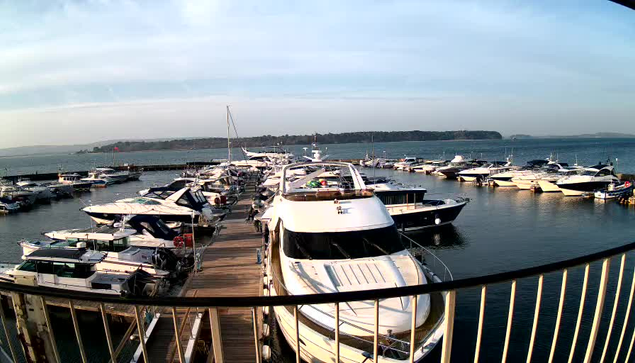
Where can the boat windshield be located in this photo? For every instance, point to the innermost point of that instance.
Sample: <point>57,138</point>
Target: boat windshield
<point>147,201</point>
<point>342,245</point>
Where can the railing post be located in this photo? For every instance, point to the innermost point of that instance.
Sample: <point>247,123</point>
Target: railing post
<point>598,310</point>
<point>254,320</point>
<point>142,334</point>
<point>580,311</point>
<point>177,336</point>
<point>78,334</point>
<point>450,302</point>
<point>296,319</point>
<point>536,316</point>
<point>481,318</point>
<point>413,328</point>
<point>510,318</point>
<point>217,342</point>
<point>625,323</point>
<point>104,319</point>
<point>6,333</point>
<point>337,332</point>
<point>376,334</point>
<point>556,329</point>
<point>618,289</point>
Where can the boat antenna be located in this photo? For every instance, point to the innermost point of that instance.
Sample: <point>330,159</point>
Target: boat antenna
<point>372,141</point>
<point>231,118</point>
<point>229,149</point>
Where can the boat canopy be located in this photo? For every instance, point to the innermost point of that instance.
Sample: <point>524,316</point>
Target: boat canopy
<point>80,255</point>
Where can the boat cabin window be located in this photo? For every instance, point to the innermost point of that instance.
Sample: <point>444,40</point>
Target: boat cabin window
<point>389,198</point>
<point>342,245</point>
<point>604,172</point>
<point>60,269</point>
<point>179,184</point>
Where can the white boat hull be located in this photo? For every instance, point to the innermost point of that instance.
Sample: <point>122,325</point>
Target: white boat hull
<point>505,183</point>
<point>548,187</point>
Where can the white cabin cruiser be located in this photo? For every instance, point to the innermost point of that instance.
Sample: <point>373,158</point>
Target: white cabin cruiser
<point>341,239</point>
<point>75,270</point>
<point>183,206</point>
<point>74,180</point>
<point>588,181</point>
<point>453,168</point>
<point>483,172</point>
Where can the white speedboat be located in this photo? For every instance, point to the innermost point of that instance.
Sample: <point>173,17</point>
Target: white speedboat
<point>182,206</point>
<point>483,172</point>
<point>137,231</point>
<point>42,193</point>
<point>215,198</point>
<point>8,206</point>
<point>98,180</point>
<point>404,163</point>
<point>591,179</point>
<point>337,239</point>
<point>453,168</point>
<point>16,193</point>
<point>75,270</point>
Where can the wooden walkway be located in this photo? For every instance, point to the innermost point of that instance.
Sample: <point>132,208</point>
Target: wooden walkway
<point>229,268</point>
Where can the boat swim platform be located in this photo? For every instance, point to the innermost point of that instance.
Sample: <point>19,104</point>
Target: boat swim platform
<point>229,269</point>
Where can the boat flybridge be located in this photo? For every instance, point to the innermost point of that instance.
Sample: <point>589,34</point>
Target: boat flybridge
<point>483,172</point>
<point>329,238</point>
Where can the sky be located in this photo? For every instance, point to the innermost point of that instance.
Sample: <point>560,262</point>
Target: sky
<point>75,72</point>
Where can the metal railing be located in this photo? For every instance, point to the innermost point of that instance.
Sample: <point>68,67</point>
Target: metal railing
<point>598,341</point>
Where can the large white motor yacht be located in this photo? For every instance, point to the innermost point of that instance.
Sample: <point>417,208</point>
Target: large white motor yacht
<point>588,181</point>
<point>328,239</point>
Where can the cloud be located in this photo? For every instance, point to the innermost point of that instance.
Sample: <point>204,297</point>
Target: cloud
<point>63,53</point>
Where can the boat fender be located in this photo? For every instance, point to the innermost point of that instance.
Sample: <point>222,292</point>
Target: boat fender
<point>265,310</point>
<point>437,220</point>
<point>266,352</point>
<point>265,292</point>
<point>265,330</point>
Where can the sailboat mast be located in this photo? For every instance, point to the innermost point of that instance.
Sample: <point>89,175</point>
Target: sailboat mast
<point>229,149</point>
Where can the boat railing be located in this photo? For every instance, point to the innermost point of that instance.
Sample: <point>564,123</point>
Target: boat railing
<point>600,333</point>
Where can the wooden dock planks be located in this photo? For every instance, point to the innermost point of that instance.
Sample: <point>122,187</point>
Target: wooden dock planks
<point>229,268</point>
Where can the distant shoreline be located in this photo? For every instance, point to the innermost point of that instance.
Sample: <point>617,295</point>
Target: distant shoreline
<point>290,140</point>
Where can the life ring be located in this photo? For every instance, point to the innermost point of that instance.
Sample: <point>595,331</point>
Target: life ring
<point>178,241</point>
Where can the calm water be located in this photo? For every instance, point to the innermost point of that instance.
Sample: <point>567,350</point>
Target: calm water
<point>500,230</point>
<point>587,151</point>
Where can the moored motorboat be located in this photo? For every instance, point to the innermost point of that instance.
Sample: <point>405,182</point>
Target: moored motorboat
<point>75,270</point>
<point>340,238</point>
<point>75,180</point>
<point>588,181</point>
<point>411,211</point>
<point>615,191</point>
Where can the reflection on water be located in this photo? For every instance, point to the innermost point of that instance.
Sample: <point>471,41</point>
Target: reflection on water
<point>447,236</point>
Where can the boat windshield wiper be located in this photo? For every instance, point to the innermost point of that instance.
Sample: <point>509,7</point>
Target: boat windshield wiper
<point>376,246</point>
<point>303,251</point>
<point>341,250</point>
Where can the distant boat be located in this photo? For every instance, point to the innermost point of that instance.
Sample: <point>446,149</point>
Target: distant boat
<point>614,191</point>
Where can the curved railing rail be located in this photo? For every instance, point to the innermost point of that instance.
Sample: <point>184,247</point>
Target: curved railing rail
<point>250,301</point>
<point>211,305</point>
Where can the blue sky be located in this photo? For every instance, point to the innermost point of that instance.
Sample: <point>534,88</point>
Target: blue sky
<point>84,71</point>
